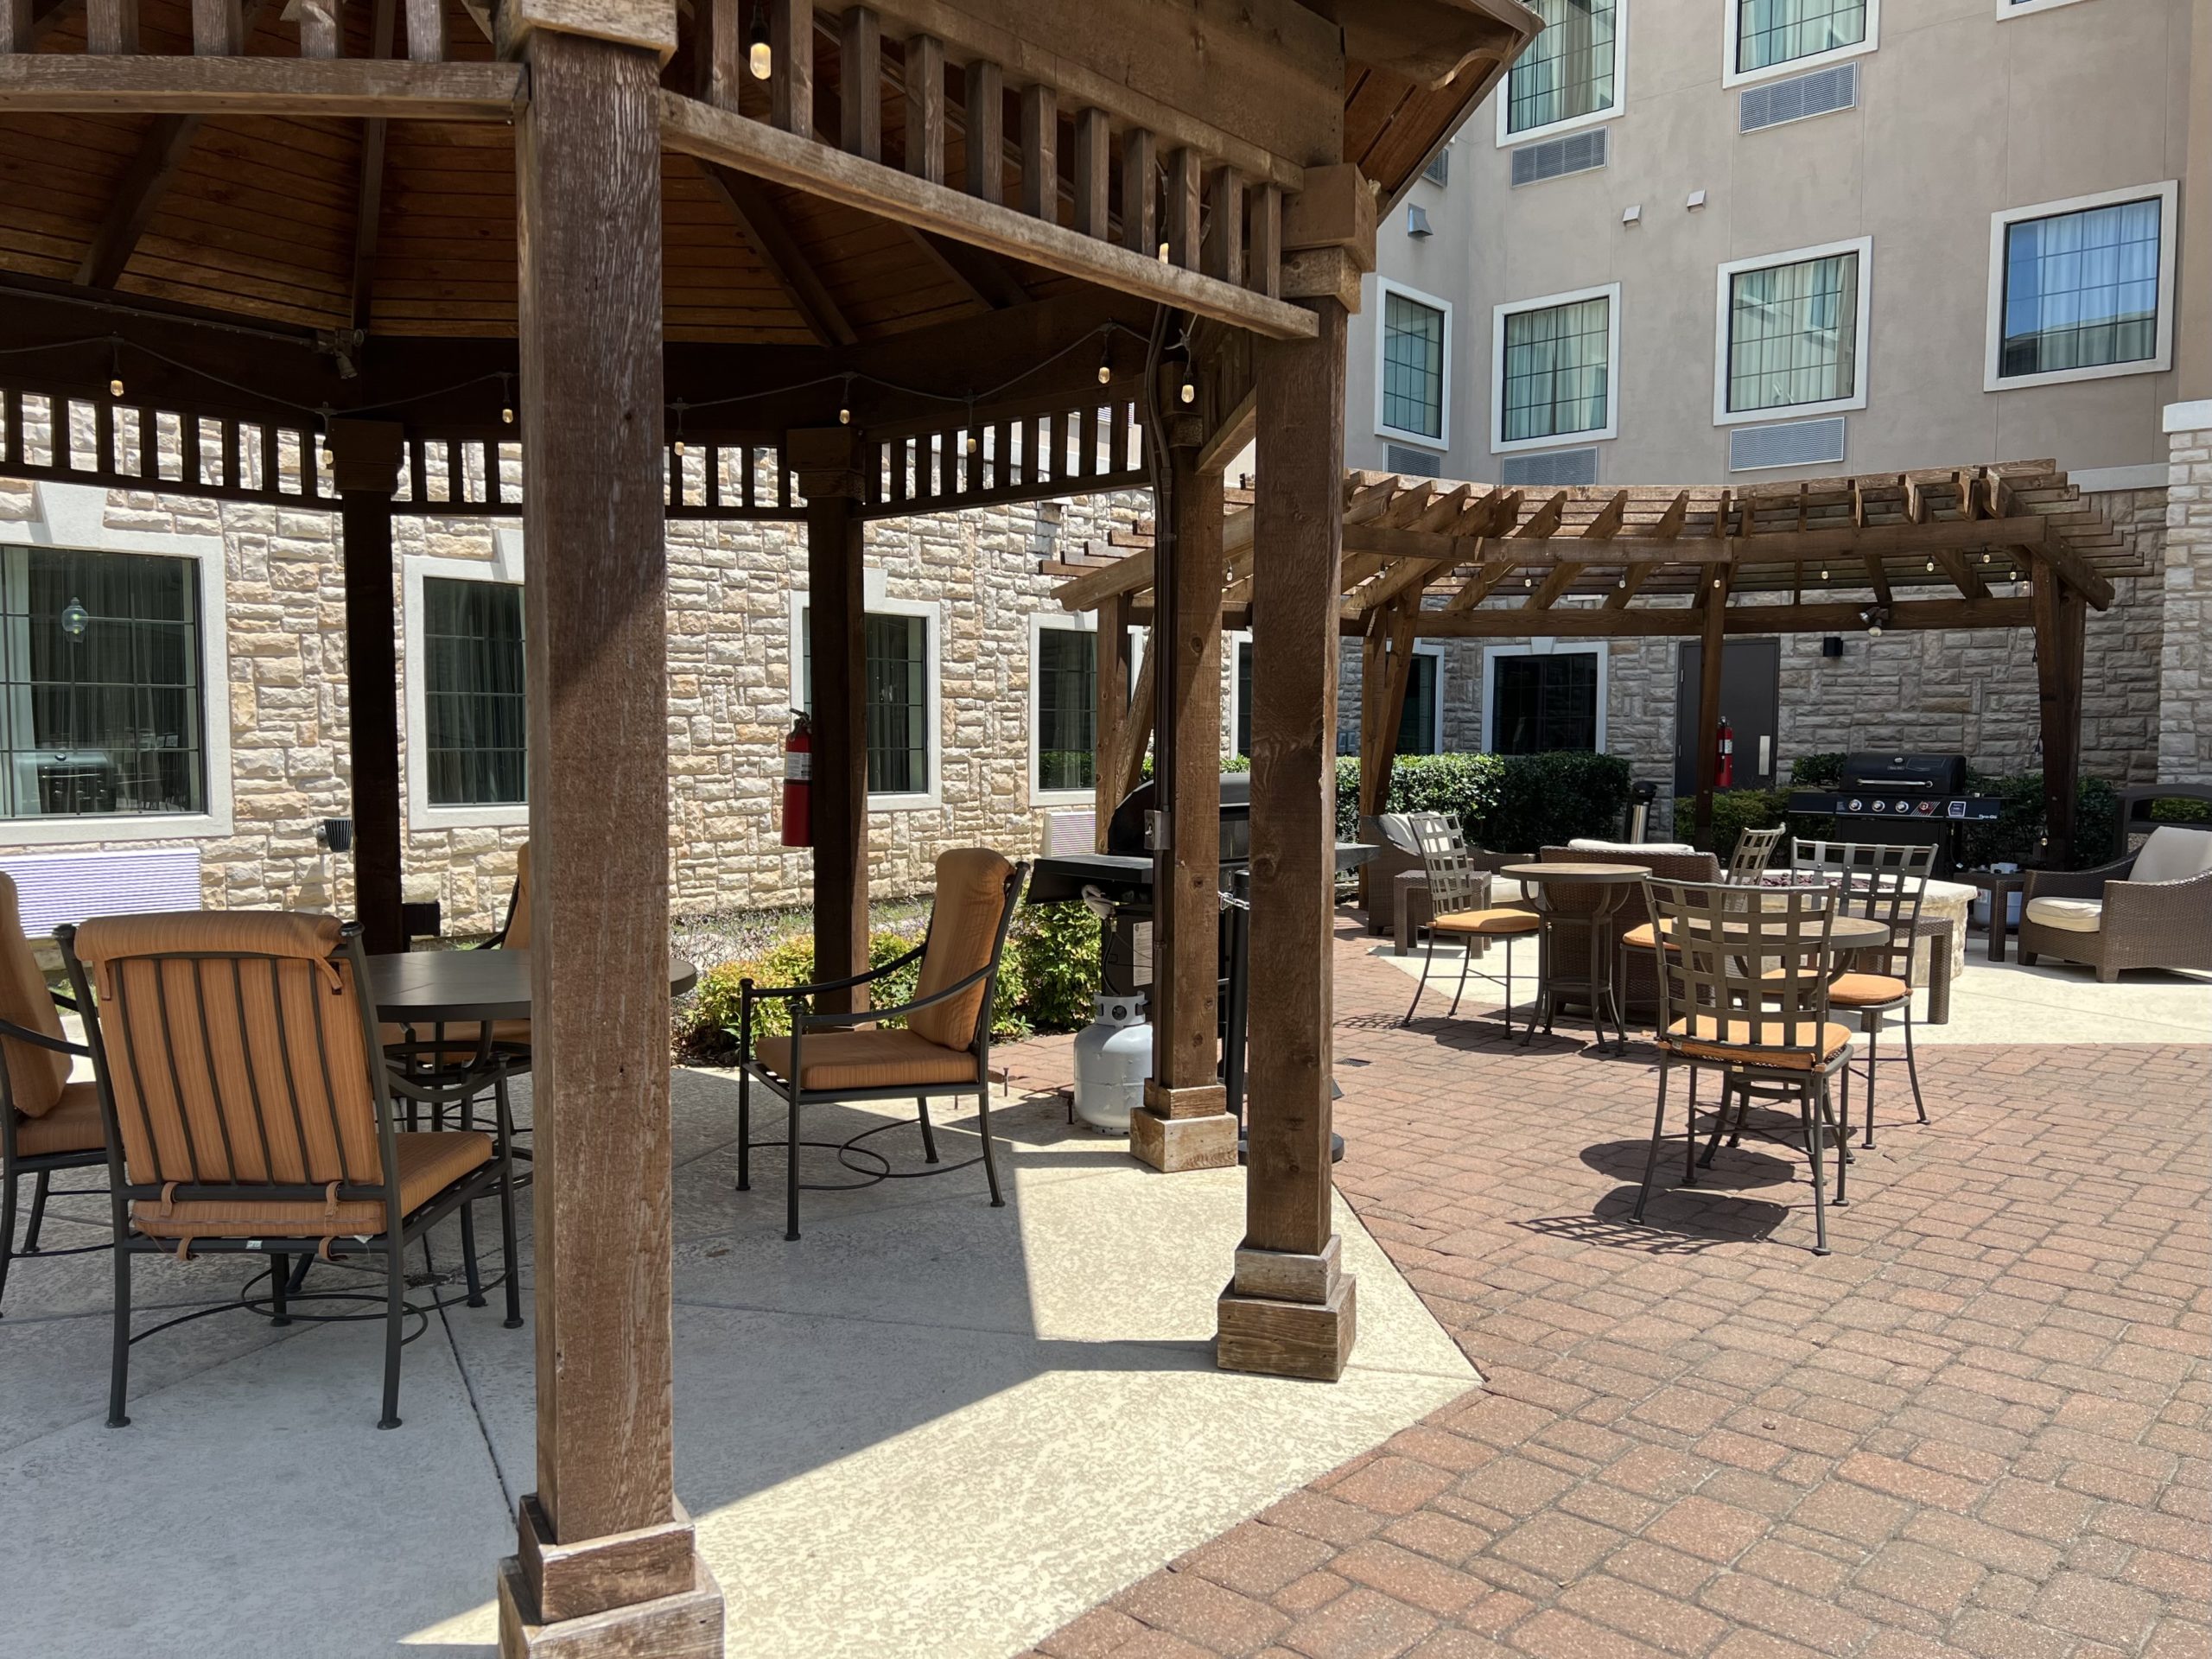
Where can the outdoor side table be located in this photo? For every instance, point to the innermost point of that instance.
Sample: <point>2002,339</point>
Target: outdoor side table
<point>1599,984</point>
<point>1998,886</point>
<point>432,988</point>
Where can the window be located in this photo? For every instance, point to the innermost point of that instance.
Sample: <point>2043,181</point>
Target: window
<point>1571,73</point>
<point>1554,359</point>
<point>899,682</point>
<point>1439,170</point>
<point>1064,724</point>
<point>1540,702</point>
<point>1415,353</point>
<point>1772,37</point>
<point>1791,329</point>
<point>1244,696</point>
<point>2082,289</point>
<point>1420,728</point>
<point>474,707</point>
<point>100,664</point>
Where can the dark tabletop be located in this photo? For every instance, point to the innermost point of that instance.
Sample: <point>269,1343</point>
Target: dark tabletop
<point>427,987</point>
<point>1578,873</point>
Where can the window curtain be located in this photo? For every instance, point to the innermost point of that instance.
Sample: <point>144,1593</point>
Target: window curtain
<point>1557,378</point>
<point>1778,31</point>
<point>475,703</point>
<point>1067,707</point>
<point>1412,367</point>
<point>2082,289</point>
<point>897,673</point>
<point>1793,333</point>
<point>1567,70</point>
<point>1417,724</point>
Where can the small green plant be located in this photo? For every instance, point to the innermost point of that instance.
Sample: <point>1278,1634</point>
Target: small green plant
<point>1055,951</point>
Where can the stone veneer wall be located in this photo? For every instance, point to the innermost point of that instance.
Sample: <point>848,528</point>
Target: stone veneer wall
<point>730,694</point>
<point>2185,668</point>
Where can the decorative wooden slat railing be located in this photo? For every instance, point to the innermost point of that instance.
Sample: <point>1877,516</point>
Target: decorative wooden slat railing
<point>1010,454</point>
<point>61,437</point>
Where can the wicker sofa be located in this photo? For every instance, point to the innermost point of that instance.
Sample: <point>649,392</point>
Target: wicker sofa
<point>2152,909</point>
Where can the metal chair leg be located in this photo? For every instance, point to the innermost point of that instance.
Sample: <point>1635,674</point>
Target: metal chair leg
<point>1911,1065</point>
<point>513,1321</point>
<point>1689,1138</point>
<point>1467,961</point>
<point>38,1208</point>
<point>395,1303</point>
<point>791,1169</point>
<point>990,1158</point>
<point>1658,1129</point>
<point>1428,961</point>
<point>119,1375</point>
<point>1842,1143</point>
<point>1509,985</point>
<point>7,1226</point>
<point>280,1276</point>
<point>743,1130</point>
<point>1814,1137</point>
<point>1873,1046</point>
<point>929,1138</point>
<point>471,1275</point>
<point>1720,1126</point>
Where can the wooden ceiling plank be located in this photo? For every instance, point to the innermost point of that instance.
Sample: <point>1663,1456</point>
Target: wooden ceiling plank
<point>161,153</point>
<point>769,236</point>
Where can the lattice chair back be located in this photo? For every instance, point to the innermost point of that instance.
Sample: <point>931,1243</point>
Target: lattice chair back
<point>1754,849</point>
<point>1748,978</point>
<point>1456,883</point>
<point>1886,884</point>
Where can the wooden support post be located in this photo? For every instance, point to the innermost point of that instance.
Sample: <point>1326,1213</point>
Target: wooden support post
<point>1265,264</point>
<point>1094,169</point>
<point>1224,231</point>
<point>925,108</point>
<point>365,457</point>
<point>2060,615</point>
<point>984,108</point>
<point>827,461</point>
<point>1715,601</point>
<point>1186,168</point>
<point>1291,1310</point>
<point>1184,1122</point>
<point>859,85</point>
<point>1139,197</point>
<point>607,1562</point>
<point>790,65</point>
<point>1041,152</point>
<point>112,27</point>
<point>1110,764</point>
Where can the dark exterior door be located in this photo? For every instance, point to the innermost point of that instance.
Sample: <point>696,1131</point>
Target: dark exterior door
<point>1751,702</point>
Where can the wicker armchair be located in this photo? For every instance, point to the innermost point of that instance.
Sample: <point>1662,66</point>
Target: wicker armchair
<point>2152,909</point>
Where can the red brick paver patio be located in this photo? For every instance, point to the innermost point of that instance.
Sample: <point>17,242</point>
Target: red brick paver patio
<point>1980,1426</point>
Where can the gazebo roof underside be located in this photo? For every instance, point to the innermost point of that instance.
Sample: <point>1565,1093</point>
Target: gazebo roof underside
<point>1450,558</point>
<point>407,227</point>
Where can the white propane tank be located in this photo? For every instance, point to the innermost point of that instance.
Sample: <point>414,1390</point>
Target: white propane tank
<point>1113,1057</point>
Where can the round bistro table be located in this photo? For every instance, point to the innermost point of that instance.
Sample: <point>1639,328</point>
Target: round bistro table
<point>1599,982</point>
<point>435,987</point>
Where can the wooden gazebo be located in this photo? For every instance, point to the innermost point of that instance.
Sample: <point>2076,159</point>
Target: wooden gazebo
<point>602,263</point>
<point>2005,546</point>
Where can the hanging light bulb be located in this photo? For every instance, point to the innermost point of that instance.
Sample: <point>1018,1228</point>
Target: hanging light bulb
<point>1189,392</point>
<point>759,57</point>
<point>1931,566</point>
<point>1163,253</point>
<point>1824,573</point>
<point>679,448</point>
<point>506,401</point>
<point>506,413</point>
<point>115,368</point>
<point>974,444</point>
<point>844,415</point>
<point>115,387</point>
<point>1106,367</point>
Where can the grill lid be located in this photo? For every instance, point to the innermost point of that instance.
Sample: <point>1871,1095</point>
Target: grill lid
<point>1930,774</point>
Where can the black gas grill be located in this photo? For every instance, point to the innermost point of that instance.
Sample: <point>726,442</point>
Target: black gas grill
<point>1915,800</point>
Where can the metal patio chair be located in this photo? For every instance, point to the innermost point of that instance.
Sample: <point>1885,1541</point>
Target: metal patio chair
<point>943,1050</point>
<point>1885,884</point>
<point>1754,851</point>
<point>1459,908</point>
<point>1745,991</point>
<point>249,1110</point>
<point>48,1125</point>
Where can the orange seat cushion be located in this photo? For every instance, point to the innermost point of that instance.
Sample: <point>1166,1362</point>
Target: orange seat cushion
<point>1703,1037</point>
<point>971,901</point>
<point>1867,991</point>
<point>460,1038</point>
<point>1644,936</point>
<point>429,1163</point>
<point>1504,919</point>
<point>73,1126</point>
<point>867,1059</point>
<point>36,1076</point>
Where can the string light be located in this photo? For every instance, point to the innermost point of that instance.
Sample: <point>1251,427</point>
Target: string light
<point>680,406</point>
<point>1189,392</point>
<point>115,387</point>
<point>759,57</point>
<point>1163,253</point>
<point>845,404</point>
<point>1931,566</point>
<point>1824,573</point>
<point>115,368</point>
<point>1106,365</point>
<point>506,400</point>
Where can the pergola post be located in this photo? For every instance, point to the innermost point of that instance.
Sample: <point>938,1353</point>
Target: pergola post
<point>1184,1121</point>
<point>2061,615</point>
<point>606,1561</point>
<point>1290,1309</point>
<point>1113,731</point>
<point>364,456</point>
<point>826,462</point>
<point>1711,653</point>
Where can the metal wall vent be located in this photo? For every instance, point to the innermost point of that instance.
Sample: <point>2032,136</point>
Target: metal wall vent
<point>1822,92</point>
<point>1552,466</point>
<point>1421,463</point>
<point>1578,152</point>
<point>1800,443</point>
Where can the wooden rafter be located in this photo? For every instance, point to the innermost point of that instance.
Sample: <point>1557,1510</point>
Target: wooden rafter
<point>368,200</point>
<point>161,153</point>
<point>762,226</point>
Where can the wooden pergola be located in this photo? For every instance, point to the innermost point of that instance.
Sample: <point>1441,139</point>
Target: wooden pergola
<point>605,262</point>
<point>2005,546</point>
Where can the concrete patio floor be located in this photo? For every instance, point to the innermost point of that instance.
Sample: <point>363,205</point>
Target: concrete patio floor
<point>930,1427</point>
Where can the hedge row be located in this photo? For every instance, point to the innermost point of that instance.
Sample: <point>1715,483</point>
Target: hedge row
<point>1511,803</point>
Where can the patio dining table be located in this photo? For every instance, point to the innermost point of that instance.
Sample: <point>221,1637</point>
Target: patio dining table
<point>1598,984</point>
<point>435,987</point>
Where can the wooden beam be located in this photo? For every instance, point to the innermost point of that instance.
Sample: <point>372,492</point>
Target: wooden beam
<point>801,164</point>
<point>984,109</point>
<point>112,27</point>
<point>1394,627</point>
<point>1110,764</point>
<point>1222,252</point>
<point>1140,194</point>
<point>1094,171</point>
<point>219,29</point>
<point>1777,547</point>
<point>790,65</point>
<point>1226,441</point>
<point>1130,574</point>
<point>860,84</point>
<point>987,279</point>
<point>59,83</point>
<point>1041,152</point>
<point>368,194</point>
<point>1263,269</point>
<point>161,152</point>
<point>1144,705</point>
<point>24,23</point>
<point>925,62</point>
<point>1652,622</point>
<point>2059,615</point>
<point>366,457</point>
<point>1713,600</point>
<point>763,227</point>
<point>2092,584</point>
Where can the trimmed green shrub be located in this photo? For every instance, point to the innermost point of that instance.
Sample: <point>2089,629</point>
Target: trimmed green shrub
<point>1054,950</point>
<point>1734,811</point>
<point>1508,802</point>
<point>1817,771</point>
<point>2017,836</point>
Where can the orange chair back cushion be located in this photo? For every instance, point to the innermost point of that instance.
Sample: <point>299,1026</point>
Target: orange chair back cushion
<point>36,1076</point>
<point>971,898</point>
<point>234,1047</point>
<point>518,937</point>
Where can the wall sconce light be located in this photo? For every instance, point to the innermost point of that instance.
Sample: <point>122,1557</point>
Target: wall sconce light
<point>1875,617</point>
<point>336,834</point>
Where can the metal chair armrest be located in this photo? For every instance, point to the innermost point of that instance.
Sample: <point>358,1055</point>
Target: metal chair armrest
<point>15,1033</point>
<point>869,1016</point>
<point>756,992</point>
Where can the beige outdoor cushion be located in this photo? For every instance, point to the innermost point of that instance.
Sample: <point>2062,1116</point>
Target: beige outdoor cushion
<point>74,1125</point>
<point>2173,853</point>
<point>35,1075</point>
<point>517,934</point>
<point>429,1163</point>
<point>2072,915</point>
<point>971,898</point>
<point>867,1059</point>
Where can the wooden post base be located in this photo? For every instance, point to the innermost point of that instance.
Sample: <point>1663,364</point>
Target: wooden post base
<point>635,1594</point>
<point>1184,1128</point>
<point>1286,1315</point>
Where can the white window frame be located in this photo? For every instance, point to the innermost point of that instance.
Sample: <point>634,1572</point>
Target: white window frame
<point>1573,123</point>
<point>878,603</point>
<point>2167,194</point>
<point>1542,645</point>
<point>74,516</point>
<point>1861,246</point>
<point>1732,24</point>
<point>504,568</point>
<point>1040,623</point>
<point>1434,648</point>
<point>1499,443</point>
<point>1232,641</point>
<point>1442,442</point>
<point>2029,8</point>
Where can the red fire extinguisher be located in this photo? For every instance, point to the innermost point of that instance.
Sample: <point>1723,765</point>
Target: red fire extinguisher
<point>798,782</point>
<point>1723,771</point>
